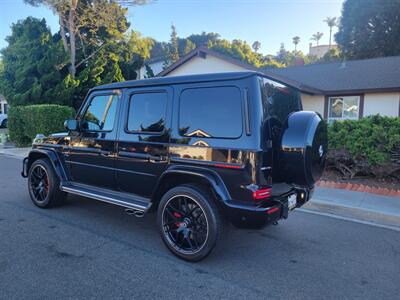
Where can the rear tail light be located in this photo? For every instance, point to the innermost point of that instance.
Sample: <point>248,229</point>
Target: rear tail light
<point>262,194</point>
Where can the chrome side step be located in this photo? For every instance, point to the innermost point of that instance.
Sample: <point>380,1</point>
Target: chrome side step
<point>126,200</point>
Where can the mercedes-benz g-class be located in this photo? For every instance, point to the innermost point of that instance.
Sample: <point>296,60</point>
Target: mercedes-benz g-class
<point>199,150</point>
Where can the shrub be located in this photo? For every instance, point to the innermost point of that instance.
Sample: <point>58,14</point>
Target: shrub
<point>24,122</point>
<point>369,146</point>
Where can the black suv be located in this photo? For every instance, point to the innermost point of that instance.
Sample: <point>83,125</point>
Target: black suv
<point>197,149</point>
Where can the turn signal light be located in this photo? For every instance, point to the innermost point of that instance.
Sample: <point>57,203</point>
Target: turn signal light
<point>262,194</point>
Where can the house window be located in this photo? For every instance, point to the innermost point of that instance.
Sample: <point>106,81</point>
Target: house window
<point>343,108</point>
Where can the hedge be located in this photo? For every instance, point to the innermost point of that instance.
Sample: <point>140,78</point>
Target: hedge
<point>365,147</point>
<point>25,122</point>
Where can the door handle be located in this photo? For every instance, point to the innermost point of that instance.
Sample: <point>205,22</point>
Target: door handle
<point>156,158</point>
<point>105,153</point>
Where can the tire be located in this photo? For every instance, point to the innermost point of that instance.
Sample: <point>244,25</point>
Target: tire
<point>192,230</point>
<point>44,185</point>
<point>4,123</point>
<point>304,148</point>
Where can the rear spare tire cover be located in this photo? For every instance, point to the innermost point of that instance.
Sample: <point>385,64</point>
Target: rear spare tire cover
<point>304,148</point>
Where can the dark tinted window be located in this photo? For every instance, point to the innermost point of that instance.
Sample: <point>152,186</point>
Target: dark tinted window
<point>147,112</point>
<point>211,112</point>
<point>100,115</point>
<point>279,100</point>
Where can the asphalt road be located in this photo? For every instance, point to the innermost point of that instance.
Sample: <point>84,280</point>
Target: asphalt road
<point>88,249</point>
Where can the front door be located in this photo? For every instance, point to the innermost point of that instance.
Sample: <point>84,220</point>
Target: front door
<point>143,140</point>
<point>92,151</point>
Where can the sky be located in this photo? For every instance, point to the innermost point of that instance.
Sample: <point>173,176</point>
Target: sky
<point>270,22</point>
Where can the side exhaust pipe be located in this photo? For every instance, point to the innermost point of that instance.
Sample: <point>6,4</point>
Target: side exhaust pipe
<point>134,212</point>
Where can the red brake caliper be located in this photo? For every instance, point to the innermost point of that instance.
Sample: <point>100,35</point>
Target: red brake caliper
<point>177,215</point>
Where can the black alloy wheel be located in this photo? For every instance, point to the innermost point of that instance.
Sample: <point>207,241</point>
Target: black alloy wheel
<point>189,222</point>
<point>185,224</point>
<point>44,184</point>
<point>39,183</point>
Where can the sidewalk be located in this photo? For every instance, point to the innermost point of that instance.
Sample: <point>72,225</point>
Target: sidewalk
<point>368,202</point>
<point>19,153</point>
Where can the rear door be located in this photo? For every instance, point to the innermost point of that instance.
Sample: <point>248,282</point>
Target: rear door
<point>142,148</point>
<point>92,151</point>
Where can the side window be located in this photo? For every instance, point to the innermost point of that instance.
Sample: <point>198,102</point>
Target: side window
<point>147,112</point>
<point>279,99</point>
<point>211,112</point>
<point>5,108</point>
<point>100,115</point>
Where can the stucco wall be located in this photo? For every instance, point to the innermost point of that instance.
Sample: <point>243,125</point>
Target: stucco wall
<point>313,103</point>
<point>386,104</point>
<point>210,64</point>
<point>156,67</point>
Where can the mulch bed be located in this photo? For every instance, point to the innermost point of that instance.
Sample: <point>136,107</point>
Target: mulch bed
<point>386,187</point>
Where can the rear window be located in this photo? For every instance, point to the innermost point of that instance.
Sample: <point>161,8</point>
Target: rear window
<point>279,100</point>
<point>214,112</point>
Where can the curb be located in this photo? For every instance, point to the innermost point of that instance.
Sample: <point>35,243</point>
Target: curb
<point>359,188</point>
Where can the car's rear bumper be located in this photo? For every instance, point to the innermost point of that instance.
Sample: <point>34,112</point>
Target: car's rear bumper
<point>255,216</point>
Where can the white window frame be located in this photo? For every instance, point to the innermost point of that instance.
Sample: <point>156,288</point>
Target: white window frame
<point>343,118</point>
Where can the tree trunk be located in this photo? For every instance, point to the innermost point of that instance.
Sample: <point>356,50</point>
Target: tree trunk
<point>62,32</point>
<point>330,37</point>
<point>72,37</point>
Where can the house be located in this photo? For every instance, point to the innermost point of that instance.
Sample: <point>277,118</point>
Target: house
<point>342,90</point>
<point>320,50</point>
<point>349,89</point>
<point>3,105</point>
<point>155,64</point>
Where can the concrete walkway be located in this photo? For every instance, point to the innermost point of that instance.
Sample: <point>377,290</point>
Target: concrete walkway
<point>357,200</point>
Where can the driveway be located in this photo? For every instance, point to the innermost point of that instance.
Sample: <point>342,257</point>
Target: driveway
<point>88,249</point>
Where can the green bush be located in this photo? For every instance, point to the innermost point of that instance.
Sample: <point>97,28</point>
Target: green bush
<point>369,146</point>
<point>25,122</point>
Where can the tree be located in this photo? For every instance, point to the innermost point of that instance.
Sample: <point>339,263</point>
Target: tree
<point>172,48</point>
<point>256,46</point>
<point>369,29</point>
<point>87,25</point>
<point>332,55</point>
<point>331,22</point>
<point>34,66</point>
<point>317,36</point>
<point>203,39</point>
<point>189,46</point>
<point>296,40</point>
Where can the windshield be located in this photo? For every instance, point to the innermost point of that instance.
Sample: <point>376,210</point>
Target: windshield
<point>279,100</point>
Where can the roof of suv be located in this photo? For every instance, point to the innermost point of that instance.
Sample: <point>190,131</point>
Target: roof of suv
<point>190,79</point>
<point>177,80</point>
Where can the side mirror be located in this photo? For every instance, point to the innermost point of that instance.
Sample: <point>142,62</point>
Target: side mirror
<point>71,125</point>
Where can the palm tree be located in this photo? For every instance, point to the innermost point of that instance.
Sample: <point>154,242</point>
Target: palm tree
<point>256,46</point>
<point>332,22</point>
<point>296,40</point>
<point>317,36</point>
